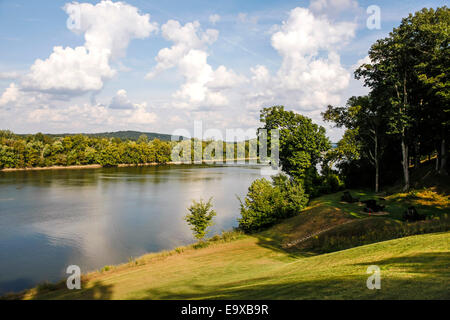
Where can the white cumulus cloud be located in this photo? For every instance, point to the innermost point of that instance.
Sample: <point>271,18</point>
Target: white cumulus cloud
<point>9,75</point>
<point>121,101</point>
<point>13,96</point>
<point>140,115</point>
<point>214,18</point>
<point>70,70</point>
<point>203,86</point>
<point>311,75</point>
<point>185,38</point>
<point>108,28</point>
<point>110,25</point>
<point>10,95</point>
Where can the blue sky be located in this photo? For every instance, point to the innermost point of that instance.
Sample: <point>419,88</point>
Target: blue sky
<point>155,75</point>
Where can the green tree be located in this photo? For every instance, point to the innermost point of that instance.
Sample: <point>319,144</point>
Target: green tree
<point>109,156</point>
<point>363,118</point>
<point>431,34</point>
<point>7,157</point>
<point>143,138</point>
<point>268,202</point>
<point>409,69</point>
<point>200,217</point>
<point>302,142</point>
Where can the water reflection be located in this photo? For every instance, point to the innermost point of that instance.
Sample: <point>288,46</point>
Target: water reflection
<point>95,217</point>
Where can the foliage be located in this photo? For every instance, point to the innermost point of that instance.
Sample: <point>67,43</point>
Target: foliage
<point>407,110</point>
<point>408,75</point>
<point>363,139</point>
<point>44,150</point>
<point>200,217</point>
<point>39,150</point>
<point>302,142</point>
<point>124,135</point>
<point>268,202</point>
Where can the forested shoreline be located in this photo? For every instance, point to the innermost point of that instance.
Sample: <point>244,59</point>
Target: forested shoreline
<point>40,151</point>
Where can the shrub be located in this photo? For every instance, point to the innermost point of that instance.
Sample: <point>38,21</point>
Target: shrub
<point>328,183</point>
<point>268,202</point>
<point>201,245</point>
<point>200,217</point>
<point>179,249</point>
<point>106,268</point>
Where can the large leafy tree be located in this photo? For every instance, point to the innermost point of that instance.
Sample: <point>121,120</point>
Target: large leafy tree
<point>432,52</point>
<point>301,142</point>
<point>363,118</point>
<point>411,86</point>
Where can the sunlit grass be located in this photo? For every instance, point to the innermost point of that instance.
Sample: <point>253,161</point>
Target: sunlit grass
<point>411,268</point>
<point>258,266</point>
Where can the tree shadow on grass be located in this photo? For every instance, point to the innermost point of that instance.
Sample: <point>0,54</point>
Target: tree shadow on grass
<point>97,291</point>
<point>424,263</point>
<point>59,291</point>
<point>332,288</point>
<point>431,283</point>
<point>275,245</point>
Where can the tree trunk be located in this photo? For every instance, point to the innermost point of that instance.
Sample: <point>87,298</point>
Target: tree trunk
<point>443,157</point>
<point>405,161</point>
<point>377,175</point>
<point>376,165</point>
<point>416,156</point>
<point>405,164</point>
<point>438,157</point>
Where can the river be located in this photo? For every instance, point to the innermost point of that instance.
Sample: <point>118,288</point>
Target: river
<point>51,219</point>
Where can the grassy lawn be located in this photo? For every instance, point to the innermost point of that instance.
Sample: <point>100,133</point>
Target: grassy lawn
<point>259,266</point>
<point>411,268</point>
<point>427,202</point>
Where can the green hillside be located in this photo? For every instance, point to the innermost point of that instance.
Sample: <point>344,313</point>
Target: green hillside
<point>124,135</point>
<point>287,260</point>
<point>415,267</point>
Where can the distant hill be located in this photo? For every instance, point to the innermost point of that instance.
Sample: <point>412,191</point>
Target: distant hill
<point>124,135</point>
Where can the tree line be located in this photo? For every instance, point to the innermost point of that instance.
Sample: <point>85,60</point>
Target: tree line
<point>41,150</point>
<point>388,132</point>
<point>405,118</point>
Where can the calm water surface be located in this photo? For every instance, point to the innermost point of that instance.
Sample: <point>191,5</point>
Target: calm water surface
<point>95,217</point>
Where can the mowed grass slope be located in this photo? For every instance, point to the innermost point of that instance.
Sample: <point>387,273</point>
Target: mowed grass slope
<point>415,267</point>
<point>260,266</point>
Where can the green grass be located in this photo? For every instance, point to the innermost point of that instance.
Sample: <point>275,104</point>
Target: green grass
<point>428,201</point>
<point>259,266</point>
<point>411,268</point>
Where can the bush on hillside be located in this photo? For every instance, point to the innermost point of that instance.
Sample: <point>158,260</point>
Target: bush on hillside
<point>268,202</point>
<point>200,217</point>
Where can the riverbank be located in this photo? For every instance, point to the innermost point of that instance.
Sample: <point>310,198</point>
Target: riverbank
<point>246,268</point>
<point>95,166</point>
<point>259,266</point>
